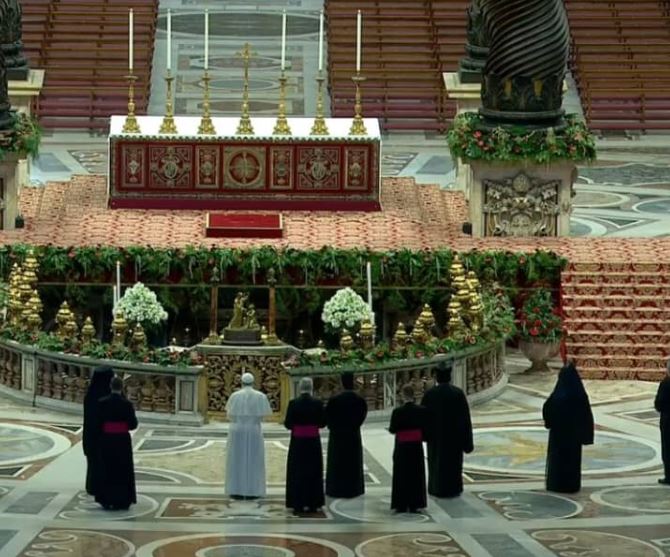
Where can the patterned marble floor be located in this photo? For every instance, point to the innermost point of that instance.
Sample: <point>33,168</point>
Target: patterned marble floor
<point>504,512</point>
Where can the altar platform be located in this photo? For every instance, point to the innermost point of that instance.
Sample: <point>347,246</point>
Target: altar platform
<point>335,172</point>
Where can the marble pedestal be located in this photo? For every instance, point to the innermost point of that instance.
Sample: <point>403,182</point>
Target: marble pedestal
<point>468,99</point>
<point>21,96</point>
<point>10,180</point>
<point>517,199</point>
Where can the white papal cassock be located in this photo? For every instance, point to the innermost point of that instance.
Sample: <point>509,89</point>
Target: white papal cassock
<point>245,459</point>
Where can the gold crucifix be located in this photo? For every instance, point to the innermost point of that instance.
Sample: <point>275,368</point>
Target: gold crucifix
<point>245,127</point>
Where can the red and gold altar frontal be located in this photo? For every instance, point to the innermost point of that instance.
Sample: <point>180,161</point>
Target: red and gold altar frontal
<point>224,170</point>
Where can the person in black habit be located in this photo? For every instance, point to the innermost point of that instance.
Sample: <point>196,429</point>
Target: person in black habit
<point>449,434</point>
<point>568,417</point>
<point>345,413</point>
<point>97,388</point>
<point>116,418</point>
<point>662,405</point>
<point>304,469</point>
<point>408,424</point>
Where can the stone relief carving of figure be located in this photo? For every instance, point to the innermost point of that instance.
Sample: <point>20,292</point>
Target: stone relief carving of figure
<point>529,44</point>
<point>10,39</point>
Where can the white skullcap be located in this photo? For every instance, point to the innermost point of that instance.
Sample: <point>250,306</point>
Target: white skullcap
<point>247,379</point>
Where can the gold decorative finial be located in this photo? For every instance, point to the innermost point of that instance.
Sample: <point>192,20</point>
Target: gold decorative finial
<point>87,331</point>
<point>399,340</point>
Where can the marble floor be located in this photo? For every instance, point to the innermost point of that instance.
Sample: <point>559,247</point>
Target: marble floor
<point>504,512</point>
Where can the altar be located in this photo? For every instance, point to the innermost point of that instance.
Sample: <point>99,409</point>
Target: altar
<point>300,171</point>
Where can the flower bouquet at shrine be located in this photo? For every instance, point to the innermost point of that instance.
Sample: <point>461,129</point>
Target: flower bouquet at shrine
<point>474,318</point>
<point>540,329</point>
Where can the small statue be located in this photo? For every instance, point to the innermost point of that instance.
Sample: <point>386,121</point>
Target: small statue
<point>237,321</point>
<point>250,320</point>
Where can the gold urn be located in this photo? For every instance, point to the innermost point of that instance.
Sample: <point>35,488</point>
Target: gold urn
<point>399,337</point>
<point>87,331</point>
<point>455,327</point>
<point>473,282</point>
<point>119,329</point>
<point>367,334</point>
<point>346,341</point>
<point>70,329</point>
<point>419,334</point>
<point>138,339</point>
<point>427,319</point>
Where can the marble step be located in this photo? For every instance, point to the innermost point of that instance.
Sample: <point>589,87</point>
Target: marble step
<point>619,321</point>
<point>618,267</point>
<point>595,337</point>
<point>622,373</point>
<point>615,290</point>
<point>616,350</point>
<point>613,313</point>
<point>578,303</point>
<point>626,277</point>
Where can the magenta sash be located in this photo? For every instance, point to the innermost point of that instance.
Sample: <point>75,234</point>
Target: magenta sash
<point>305,431</point>
<point>115,427</point>
<point>409,436</point>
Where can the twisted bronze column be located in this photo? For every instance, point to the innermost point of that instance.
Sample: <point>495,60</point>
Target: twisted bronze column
<point>529,43</point>
<point>472,65</point>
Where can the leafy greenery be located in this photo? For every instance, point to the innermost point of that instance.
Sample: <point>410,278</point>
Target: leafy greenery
<point>405,268</point>
<point>539,320</point>
<point>498,326</point>
<point>101,350</point>
<point>470,140</point>
<point>24,137</point>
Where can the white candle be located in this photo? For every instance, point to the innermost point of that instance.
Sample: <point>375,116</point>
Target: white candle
<point>169,40</point>
<point>206,39</point>
<point>283,40</point>
<point>321,41</point>
<point>118,280</point>
<point>369,273</point>
<point>130,40</point>
<point>115,298</point>
<point>358,42</point>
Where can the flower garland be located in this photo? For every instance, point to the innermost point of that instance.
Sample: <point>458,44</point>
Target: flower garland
<point>470,140</point>
<point>24,138</point>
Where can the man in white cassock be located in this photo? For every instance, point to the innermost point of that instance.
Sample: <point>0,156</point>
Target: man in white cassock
<point>245,459</point>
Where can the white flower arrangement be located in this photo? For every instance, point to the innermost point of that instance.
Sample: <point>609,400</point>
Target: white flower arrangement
<point>346,309</point>
<point>140,305</point>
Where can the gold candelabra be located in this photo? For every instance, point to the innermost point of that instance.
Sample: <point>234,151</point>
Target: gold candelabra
<point>131,125</point>
<point>358,126</point>
<point>245,127</point>
<point>319,127</point>
<point>168,125</point>
<point>281,126</point>
<point>206,126</point>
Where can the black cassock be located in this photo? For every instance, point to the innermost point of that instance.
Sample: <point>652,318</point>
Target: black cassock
<point>98,388</point>
<point>662,405</point>
<point>449,435</point>
<point>408,492</point>
<point>304,468</point>
<point>345,414</point>
<point>568,417</point>
<point>116,418</point>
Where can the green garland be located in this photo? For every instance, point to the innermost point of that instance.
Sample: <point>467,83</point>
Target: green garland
<point>470,140</point>
<point>24,138</point>
<point>418,269</point>
<point>101,350</point>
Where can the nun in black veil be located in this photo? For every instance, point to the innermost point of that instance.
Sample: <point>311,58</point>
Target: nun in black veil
<point>98,388</point>
<point>568,417</point>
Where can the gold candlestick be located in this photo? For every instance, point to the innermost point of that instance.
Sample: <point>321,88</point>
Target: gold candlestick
<point>358,126</point>
<point>206,125</point>
<point>319,127</point>
<point>168,125</point>
<point>245,127</point>
<point>282,127</point>
<point>131,125</point>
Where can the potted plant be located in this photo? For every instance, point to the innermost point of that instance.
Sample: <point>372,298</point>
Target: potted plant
<point>346,310</point>
<point>540,329</point>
